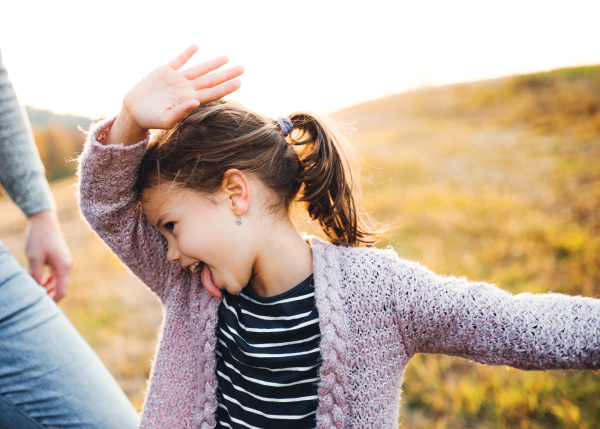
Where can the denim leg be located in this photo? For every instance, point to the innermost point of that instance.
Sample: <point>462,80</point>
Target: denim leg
<point>50,377</point>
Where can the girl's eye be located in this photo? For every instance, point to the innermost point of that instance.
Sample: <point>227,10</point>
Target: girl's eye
<point>169,226</point>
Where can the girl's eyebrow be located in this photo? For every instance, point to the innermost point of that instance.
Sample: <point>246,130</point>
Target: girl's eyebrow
<point>160,220</point>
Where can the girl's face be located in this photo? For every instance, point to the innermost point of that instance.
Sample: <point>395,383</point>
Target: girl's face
<point>203,236</point>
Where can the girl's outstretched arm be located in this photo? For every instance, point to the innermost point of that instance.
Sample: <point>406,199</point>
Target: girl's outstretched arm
<point>114,149</point>
<point>483,323</point>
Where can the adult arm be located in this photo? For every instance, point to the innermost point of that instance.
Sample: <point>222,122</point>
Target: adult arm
<point>21,170</point>
<point>22,176</point>
<point>481,322</point>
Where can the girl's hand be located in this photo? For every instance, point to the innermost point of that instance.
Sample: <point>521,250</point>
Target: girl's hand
<point>167,95</point>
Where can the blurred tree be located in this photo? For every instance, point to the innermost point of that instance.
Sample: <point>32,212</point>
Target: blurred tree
<point>58,139</point>
<point>58,146</point>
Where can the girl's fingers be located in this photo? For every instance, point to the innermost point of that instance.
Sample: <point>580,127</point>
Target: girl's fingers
<point>212,94</point>
<point>206,67</point>
<point>214,79</point>
<point>176,114</point>
<point>183,58</point>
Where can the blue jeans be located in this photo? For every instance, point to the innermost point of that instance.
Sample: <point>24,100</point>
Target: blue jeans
<point>49,376</point>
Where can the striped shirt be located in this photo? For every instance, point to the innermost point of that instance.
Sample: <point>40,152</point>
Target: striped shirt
<point>268,359</point>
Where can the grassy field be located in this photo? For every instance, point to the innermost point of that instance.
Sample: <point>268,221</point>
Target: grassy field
<point>497,181</point>
<point>500,182</point>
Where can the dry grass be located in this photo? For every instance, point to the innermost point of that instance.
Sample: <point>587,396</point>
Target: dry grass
<point>496,181</point>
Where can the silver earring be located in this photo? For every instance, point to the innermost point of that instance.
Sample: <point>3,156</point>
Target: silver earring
<point>239,219</point>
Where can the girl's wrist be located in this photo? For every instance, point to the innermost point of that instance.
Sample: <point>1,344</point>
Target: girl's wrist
<point>125,130</point>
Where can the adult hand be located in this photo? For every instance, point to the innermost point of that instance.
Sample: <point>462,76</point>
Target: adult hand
<point>46,246</point>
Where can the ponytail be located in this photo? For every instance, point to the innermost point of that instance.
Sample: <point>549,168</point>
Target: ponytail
<point>311,164</point>
<point>330,181</point>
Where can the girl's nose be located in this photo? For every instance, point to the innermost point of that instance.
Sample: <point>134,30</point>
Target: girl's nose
<point>173,255</point>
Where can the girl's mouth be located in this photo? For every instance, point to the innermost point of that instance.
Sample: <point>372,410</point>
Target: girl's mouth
<point>194,266</point>
<point>208,281</point>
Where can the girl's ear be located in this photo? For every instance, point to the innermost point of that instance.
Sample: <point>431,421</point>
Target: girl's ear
<point>237,189</point>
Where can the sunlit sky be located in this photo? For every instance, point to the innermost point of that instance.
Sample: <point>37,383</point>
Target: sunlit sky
<point>81,57</point>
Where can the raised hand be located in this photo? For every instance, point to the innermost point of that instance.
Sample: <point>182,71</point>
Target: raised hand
<point>167,95</point>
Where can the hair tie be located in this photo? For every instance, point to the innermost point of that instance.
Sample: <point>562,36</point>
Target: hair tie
<point>285,124</point>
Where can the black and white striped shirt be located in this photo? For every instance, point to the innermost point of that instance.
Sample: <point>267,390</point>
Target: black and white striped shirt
<point>268,359</point>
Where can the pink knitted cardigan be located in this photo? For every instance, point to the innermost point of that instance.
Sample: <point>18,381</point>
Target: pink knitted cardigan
<point>376,311</point>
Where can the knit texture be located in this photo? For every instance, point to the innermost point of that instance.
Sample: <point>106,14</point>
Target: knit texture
<point>21,170</point>
<point>376,311</point>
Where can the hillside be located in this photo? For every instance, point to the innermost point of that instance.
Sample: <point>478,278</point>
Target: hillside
<point>498,181</point>
<point>43,118</point>
<point>59,139</point>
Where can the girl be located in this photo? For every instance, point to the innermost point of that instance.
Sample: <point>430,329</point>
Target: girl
<point>265,327</point>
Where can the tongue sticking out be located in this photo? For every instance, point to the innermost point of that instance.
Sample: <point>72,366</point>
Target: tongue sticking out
<point>209,282</point>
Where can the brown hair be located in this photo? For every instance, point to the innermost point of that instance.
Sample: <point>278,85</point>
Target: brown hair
<point>312,164</point>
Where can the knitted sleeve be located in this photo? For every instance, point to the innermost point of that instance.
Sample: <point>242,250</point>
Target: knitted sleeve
<point>107,200</point>
<point>21,170</point>
<point>483,323</point>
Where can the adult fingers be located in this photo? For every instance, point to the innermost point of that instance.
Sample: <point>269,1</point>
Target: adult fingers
<point>212,94</point>
<point>61,286</point>
<point>183,58</point>
<point>60,266</point>
<point>50,284</point>
<point>205,67</point>
<point>176,114</point>
<point>36,268</point>
<point>217,78</point>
